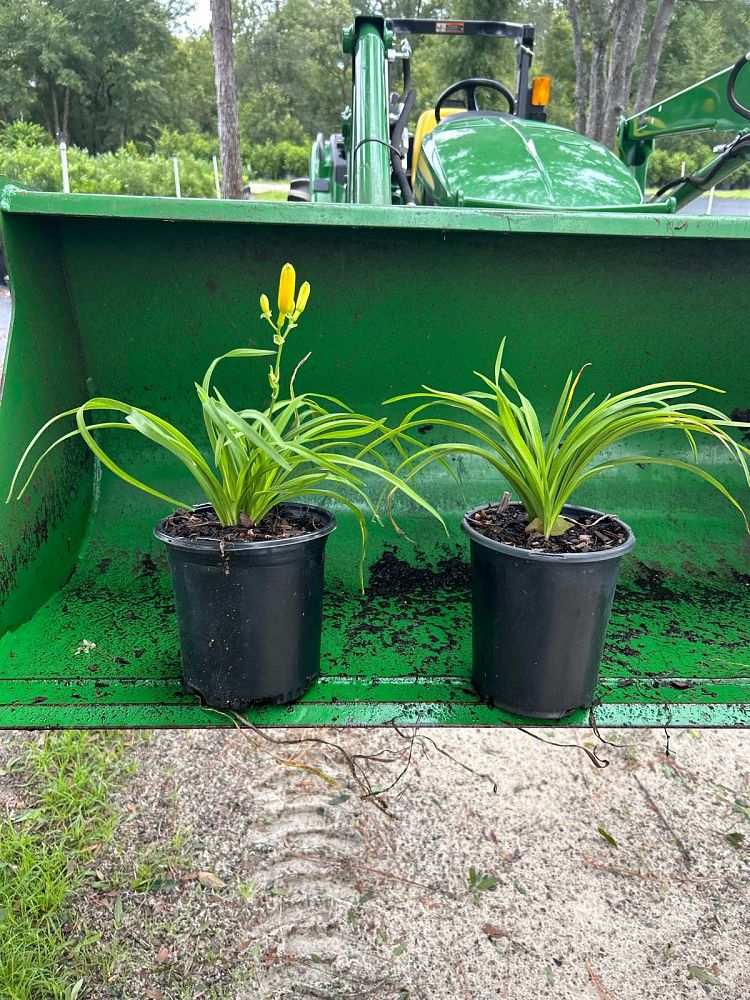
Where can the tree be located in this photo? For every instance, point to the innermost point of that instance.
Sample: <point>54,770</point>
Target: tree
<point>192,96</point>
<point>580,60</point>
<point>293,76</point>
<point>614,30</point>
<point>97,70</point>
<point>627,26</point>
<point>128,75</point>
<point>650,67</point>
<point>226,98</point>
<point>43,52</point>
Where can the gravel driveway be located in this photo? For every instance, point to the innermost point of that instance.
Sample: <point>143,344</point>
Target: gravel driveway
<point>627,883</point>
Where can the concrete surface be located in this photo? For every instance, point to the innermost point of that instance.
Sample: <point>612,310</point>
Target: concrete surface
<point>721,206</point>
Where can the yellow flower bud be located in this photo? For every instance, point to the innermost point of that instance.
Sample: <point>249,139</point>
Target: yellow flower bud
<point>287,282</point>
<point>304,295</point>
<point>265,306</point>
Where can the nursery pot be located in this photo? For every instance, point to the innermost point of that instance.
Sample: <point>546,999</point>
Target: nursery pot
<point>250,615</point>
<point>539,622</point>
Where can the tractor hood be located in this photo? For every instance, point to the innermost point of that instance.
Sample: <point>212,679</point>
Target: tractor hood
<point>491,160</point>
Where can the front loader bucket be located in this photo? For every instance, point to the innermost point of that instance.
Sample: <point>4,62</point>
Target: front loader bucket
<point>132,297</point>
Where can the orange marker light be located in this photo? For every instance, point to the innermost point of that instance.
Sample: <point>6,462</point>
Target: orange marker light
<point>541,87</point>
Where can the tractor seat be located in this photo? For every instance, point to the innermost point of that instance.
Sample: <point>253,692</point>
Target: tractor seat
<point>425,125</point>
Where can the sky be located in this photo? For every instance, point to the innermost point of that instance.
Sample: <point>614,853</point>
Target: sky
<point>201,16</point>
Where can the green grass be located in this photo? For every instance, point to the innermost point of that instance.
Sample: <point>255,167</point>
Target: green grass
<point>46,856</point>
<point>742,195</point>
<point>270,196</point>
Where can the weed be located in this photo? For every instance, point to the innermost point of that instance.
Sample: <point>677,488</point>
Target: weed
<point>157,865</point>
<point>247,890</point>
<point>479,883</point>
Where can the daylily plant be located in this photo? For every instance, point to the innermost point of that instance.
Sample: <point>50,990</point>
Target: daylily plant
<point>300,446</point>
<point>545,471</point>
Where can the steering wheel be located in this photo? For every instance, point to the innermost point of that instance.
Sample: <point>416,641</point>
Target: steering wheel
<point>470,87</point>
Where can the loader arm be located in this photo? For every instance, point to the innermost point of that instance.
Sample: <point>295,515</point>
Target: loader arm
<point>718,103</point>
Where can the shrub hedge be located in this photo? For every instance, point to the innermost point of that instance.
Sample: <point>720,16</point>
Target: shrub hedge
<point>25,156</point>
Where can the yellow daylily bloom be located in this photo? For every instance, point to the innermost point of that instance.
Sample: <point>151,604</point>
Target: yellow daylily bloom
<point>304,295</point>
<point>265,306</point>
<point>287,281</point>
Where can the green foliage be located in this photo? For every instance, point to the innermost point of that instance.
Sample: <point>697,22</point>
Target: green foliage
<point>34,890</point>
<point>664,166</point>
<point>45,855</point>
<point>479,883</point>
<point>23,133</point>
<point>123,172</point>
<point>28,155</point>
<point>191,94</point>
<point>265,117</point>
<point>197,145</point>
<point>557,60</point>
<point>278,159</point>
<point>298,446</point>
<point>461,57</point>
<point>292,77</point>
<point>545,471</point>
<point>98,70</point>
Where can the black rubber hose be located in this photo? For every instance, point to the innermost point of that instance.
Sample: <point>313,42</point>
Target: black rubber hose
<point>398,131</point>
<point>704,183</point>
<point>735,105</point>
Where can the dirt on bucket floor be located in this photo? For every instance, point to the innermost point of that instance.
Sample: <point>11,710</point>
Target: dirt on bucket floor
<point>258,872</point>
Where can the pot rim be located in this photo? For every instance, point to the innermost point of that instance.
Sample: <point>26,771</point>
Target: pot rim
<point>214,545</point>
<point>551,557</point>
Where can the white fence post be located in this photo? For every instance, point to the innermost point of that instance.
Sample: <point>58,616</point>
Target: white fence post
<point>178,192</point>
<point>64,165</point>
<point>710,201</point>
<point>216,178</point>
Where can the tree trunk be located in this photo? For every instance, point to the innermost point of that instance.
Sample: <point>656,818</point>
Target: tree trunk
<point>600,12</point>
<point>55,111</point>
<point>226,98</point>
<point>647,78</point>
<point>580,60</point>
<point>66,112</point>
<point>626,33</point>
<point>597,90</point>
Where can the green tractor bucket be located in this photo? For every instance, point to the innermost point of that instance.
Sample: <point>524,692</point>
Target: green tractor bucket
<point>132,298</point>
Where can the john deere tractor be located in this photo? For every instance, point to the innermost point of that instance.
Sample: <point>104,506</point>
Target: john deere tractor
<point>464,156</point>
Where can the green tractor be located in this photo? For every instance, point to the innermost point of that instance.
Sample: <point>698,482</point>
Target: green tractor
<point>462,156</point>
<point>423,250</point>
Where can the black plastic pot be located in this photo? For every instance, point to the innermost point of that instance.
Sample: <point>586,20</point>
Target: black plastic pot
<point>250,616</point>
<point>540,622</point>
